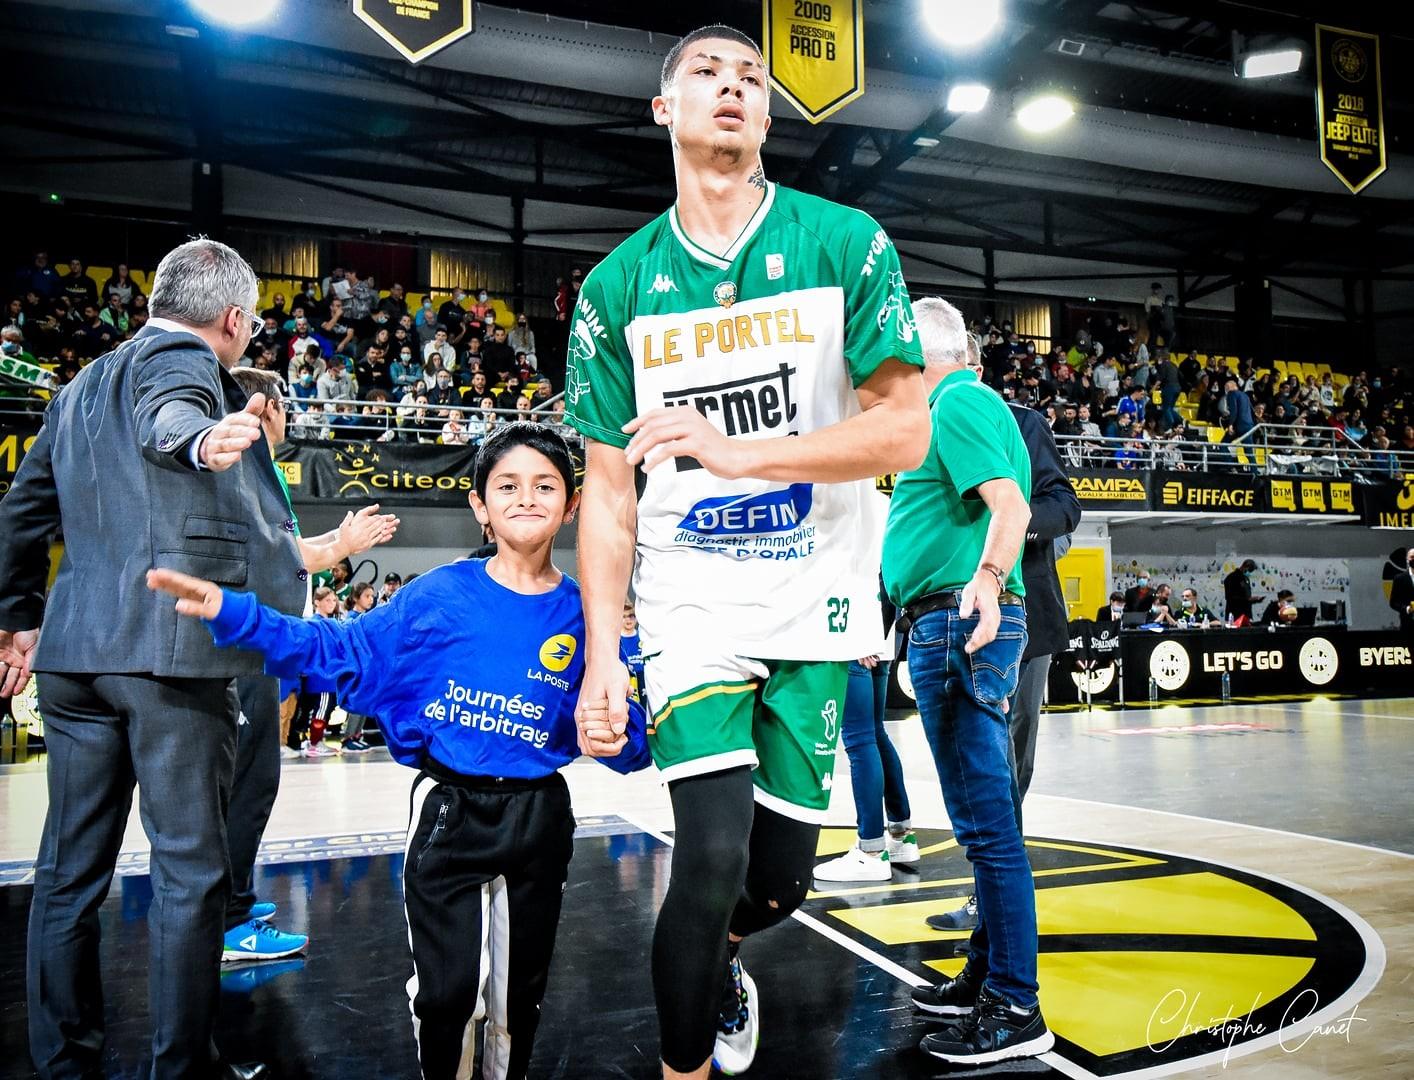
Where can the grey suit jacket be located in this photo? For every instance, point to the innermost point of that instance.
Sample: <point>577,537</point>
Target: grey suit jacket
<point>111,469</point>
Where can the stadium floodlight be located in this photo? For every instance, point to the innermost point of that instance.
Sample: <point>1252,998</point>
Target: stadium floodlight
<point>1045,113</point>
<point>1262,65</point>
<point>962,23</point>
<point>235,12</point>
<point>968,97</point>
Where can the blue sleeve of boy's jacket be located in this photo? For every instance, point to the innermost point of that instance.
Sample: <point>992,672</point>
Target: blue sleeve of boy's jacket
<point>354,658</point>
<point>635,754</point>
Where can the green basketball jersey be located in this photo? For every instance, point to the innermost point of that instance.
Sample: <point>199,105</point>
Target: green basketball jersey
<point>768,339</point>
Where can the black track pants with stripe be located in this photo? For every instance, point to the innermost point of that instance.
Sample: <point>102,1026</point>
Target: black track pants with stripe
<point>483,879</point>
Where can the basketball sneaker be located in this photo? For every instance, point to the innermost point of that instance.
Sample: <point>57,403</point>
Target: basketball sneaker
<point>995,1031</point>
<point>354,746</point>
<point>903,850</point>
<point>952,997</point>
<point>856,865</point>
<point>739,1025</point>
<point>964,918</point>
<point>319,750</point>
<point>256,939</point>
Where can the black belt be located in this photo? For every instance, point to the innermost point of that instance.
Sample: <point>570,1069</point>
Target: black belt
<point>435,769</point>
<point>943,601</point>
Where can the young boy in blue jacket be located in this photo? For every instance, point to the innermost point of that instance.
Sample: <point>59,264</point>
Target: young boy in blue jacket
<point>491,829</point>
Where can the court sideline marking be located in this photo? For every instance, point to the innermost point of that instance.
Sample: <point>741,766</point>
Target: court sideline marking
<point>1360,989</point>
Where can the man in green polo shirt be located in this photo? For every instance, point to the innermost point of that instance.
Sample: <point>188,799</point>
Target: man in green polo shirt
<point>952,564</point>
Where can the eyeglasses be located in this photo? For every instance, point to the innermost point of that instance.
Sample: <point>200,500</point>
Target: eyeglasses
<point>256,322</point>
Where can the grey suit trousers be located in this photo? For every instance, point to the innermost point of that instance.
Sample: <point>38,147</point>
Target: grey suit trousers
<point>176,739</point>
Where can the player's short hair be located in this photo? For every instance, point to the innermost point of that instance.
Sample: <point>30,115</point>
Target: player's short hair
<point>259,381</point>
<point>716,30</point>
<point>539,437</point>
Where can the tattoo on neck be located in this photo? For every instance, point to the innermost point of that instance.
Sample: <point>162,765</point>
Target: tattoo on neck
<point>758,177</point>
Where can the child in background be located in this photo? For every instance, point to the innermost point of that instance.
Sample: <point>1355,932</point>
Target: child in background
<point>491,829</point>
<point>631,651</point>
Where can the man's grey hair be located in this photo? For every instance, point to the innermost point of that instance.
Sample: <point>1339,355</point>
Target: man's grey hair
<point>197,282</point>
<point>12,333</point>
<point>941,331</point>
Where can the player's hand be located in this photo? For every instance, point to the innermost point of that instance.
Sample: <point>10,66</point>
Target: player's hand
<point>663,434</point>
<point>983,600</point>
<point>232,436</point>
<point>869,662</point>
<point>366,529</point>
<point>596,737</point>
<point>603,700</point>
<point>16,654</point>
<point>195,597</point>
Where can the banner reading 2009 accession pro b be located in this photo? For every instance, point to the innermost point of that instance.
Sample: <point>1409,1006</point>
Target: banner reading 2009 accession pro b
<point>814,53</point>
<point>1350,110</point>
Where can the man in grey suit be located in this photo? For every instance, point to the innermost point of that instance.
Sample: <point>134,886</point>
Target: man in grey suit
<point>142,462</point>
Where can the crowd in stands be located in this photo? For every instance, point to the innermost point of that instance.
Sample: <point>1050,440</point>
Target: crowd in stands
<point>364,363</point>
<point>1115,400</point>
<point>359,363</point>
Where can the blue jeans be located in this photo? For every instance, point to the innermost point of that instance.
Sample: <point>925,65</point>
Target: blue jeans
<point>875,772</point>
<point>960,701</point>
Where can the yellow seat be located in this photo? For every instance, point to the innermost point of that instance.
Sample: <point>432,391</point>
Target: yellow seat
<point>1280,367</point>
<point>1215,433</point>
<point>1231,362</point>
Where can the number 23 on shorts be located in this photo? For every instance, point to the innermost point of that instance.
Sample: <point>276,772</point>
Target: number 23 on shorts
<point>838,614</point>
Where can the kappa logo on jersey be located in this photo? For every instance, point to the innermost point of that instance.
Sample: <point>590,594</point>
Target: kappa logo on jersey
<point>897,308</point>
<point>775,266</point>
<point>743,406</point>
<point>738,515</point>
<point>557,652</point>
<point>662,284</point>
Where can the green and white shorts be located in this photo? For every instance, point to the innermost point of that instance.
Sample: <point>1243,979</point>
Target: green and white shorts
<point>781,717</point>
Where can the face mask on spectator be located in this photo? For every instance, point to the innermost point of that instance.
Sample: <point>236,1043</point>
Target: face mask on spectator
<point>1143,579</point>
<point>407,357</point>
<point>11,347</point>
<point>306,378</point>
<point>458,296</point>
<point>481,296</point>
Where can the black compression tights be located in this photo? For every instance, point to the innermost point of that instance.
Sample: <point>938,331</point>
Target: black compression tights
<point>736,866</point>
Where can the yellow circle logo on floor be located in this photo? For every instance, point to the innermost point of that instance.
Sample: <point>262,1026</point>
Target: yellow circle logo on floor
<point>1147,960</point>
<point>557,652</point>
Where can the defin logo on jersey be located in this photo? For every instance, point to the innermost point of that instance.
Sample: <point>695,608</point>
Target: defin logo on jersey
<point>557,652</point>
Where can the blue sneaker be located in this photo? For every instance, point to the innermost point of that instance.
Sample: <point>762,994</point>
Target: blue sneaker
<point>262,910</point>
<point>256,939</point>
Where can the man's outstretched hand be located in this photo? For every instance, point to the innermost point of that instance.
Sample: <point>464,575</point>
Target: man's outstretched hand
<point>195,596</point>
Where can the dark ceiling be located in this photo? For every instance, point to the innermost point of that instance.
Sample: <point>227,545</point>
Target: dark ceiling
<point>137,93</point>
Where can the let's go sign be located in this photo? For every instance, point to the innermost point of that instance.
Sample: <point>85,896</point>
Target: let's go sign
<point>814,52</point>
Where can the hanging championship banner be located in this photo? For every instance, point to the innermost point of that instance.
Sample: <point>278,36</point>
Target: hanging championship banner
<point>1349,108</point>
<point>416,28</point>
<point>814,53</point>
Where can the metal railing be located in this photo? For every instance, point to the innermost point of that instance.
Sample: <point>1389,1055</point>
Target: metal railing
<point>1268,449</point>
